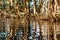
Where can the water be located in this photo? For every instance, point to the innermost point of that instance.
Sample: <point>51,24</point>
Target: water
<point>17,29</point>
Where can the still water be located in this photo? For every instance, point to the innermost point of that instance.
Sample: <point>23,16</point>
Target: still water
<point>17,29</point>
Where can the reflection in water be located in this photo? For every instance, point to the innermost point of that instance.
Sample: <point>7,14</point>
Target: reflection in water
<point>39,30</point>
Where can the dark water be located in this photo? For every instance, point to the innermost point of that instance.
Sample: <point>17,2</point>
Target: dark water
<point>18,29</point>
